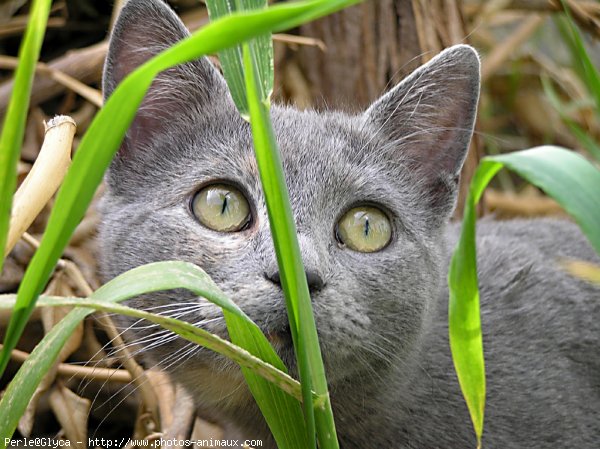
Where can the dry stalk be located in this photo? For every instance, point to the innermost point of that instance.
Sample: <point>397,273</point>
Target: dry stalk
<point>300,40</point>
<point>137,373</point>
<point>582,269</point>
<point>506,49</point>
<point>44,178</point>
<point>585,13</point>
<point>80,372</point>
<point>182,413</point>
<point>18,25</point>
<point>94,96</point>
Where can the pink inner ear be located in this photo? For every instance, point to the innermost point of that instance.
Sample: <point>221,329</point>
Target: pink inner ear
<point>140,134</point>
<point>428,118</point>
<point>142,30</point>
<point>129,56</point>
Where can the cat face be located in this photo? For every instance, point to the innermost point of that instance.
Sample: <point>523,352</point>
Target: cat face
<point>370,194</point>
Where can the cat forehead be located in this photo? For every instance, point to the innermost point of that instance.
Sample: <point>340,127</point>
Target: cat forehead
<point>330,147</point>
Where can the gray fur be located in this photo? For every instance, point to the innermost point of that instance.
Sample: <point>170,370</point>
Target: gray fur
<point>381,316</point>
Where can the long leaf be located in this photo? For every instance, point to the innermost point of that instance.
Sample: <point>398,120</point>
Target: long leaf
<point>289,259</point>
<point>565,176</point>
<point>231,58</point>
<point>586,140</point>
<point>13,128</point>
<point>106,132</point>
<point>579,55</point>
<point>184,329</point>
<point>148,278</point>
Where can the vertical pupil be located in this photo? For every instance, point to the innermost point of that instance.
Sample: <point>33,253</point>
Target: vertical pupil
<point>224,206</point>
<point>366,226</point>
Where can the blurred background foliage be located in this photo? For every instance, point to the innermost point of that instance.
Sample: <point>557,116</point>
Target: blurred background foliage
<point>534,92</point>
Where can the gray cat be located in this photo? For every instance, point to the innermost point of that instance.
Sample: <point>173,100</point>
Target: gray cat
<point>372,195</point>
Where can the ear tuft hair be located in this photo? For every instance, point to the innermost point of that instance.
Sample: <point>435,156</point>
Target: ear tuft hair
<point>143,29</point>
<point>427,121</point>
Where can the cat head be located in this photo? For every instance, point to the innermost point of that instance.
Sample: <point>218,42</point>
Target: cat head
<point>370,192</point>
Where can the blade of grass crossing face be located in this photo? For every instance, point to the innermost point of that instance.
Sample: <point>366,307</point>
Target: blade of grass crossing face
<point>293,278</point>
<point>145,279</point>
<point>106,132</point>
<point>13,127</point>
<point>565,176</point>
<point>184,329</point>
<point>282,413</point>
<point>280,218</point>
<point>231,58</point>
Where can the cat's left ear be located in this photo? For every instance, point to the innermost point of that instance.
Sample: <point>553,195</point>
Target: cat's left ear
<point>143,29</point>
<point>427,121</point>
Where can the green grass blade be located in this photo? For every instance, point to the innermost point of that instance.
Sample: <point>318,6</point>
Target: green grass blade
<point>586,140</point>
<point>463,311</point>
<point>278,208</point>
<point>565,176</point>
<point>19,391</point>
<point>182,328</point>
<point>289,259</point>
<point>106,132</point>
<point>13,127</point>
<point>144,279</point>
<point>579,55</point>
<point>231,58</point>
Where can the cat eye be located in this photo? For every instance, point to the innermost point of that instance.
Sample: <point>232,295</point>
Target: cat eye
<point>365,229</point>
<point>221,207</point>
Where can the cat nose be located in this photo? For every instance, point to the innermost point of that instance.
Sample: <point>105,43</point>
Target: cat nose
<point>314,280</point>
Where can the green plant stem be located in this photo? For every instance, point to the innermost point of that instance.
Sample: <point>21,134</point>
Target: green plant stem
<point>146,279</point>
<point>183,329</point>
<point>13,128</point>
<point>103,138</point>
<point>231,58</point>
<point>292,274</point>
<point>565,176</point>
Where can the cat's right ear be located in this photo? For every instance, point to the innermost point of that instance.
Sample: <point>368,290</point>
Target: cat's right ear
<point>143,29</point>
<point>427,122</point>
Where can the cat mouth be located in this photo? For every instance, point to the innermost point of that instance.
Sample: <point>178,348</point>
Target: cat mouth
<point>280,338</point>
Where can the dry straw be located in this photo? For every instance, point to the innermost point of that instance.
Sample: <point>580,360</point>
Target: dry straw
<point>44,178</point>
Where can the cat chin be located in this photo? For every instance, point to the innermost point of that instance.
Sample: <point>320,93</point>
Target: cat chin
<point>217,390</point>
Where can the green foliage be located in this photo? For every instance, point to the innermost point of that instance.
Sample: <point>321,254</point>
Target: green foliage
<point>580,58</point>
<point>150,278</point>
<point>231,58</point>
<point>109,126</point>
<point>565,176</point>
<point>289,259</point>
<point>248,68</point>
<point>586,141</point>
<point>13,128</point>
<point>283,412</point>
<point>588,73</point>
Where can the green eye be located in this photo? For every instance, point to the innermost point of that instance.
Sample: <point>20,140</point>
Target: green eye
<point>221,207</point>
<point>365,229</point>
